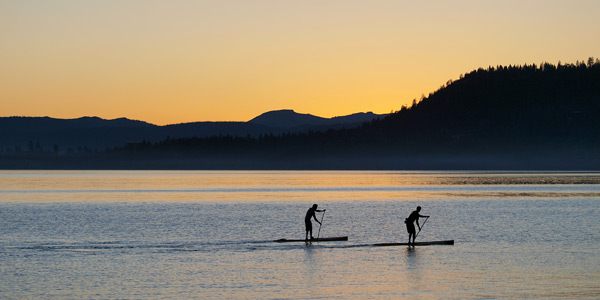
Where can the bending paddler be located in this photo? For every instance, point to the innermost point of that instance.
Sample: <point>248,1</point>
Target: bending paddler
<point>410,226</point>
<point>310,214</point>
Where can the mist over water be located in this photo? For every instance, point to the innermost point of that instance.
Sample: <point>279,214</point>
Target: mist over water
<point>181,235</point>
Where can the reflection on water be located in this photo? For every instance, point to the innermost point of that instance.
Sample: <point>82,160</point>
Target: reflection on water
<point>182,235</point>
<point>20,186</point>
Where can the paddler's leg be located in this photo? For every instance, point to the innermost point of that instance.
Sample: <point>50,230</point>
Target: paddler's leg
<point>308,226</point>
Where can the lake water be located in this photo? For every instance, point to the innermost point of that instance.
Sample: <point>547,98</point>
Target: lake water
<point>208,235</point>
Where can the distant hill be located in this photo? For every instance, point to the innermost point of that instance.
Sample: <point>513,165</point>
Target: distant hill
<point>87,132</point>
<point>289,119</point>
<point>97,134</point>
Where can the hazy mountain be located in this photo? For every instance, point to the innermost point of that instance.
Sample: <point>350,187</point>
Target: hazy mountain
<point>99,134</point>
<point>289,119</point>
<point>19,125</point>
<point>90,132</point>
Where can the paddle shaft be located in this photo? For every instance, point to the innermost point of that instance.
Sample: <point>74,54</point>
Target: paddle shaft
<point>321,224</point>
<point>421,227</point>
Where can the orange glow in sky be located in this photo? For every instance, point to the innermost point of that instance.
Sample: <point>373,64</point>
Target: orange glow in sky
<point>168,62</point>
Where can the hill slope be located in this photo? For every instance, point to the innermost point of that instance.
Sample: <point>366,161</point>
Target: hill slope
<point>508,109</point>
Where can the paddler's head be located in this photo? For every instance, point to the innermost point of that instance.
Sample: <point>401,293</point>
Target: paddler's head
<point>315,206</point>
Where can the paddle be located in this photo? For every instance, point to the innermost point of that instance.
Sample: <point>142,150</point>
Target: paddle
<point>320,224</point>
<point>421,228</point>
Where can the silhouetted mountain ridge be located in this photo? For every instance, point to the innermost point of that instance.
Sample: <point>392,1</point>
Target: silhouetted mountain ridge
<point>99,134</point>
<point>288,118</point>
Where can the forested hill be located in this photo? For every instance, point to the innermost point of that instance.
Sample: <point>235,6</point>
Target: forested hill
<point>515,117</point>
<point>504,109</point>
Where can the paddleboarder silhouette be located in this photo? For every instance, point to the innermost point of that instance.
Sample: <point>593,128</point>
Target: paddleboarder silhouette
<point>410,226</point>
<point>310,214</point>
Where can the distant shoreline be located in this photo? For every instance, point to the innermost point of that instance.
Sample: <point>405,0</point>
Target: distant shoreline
<point>417,163</point>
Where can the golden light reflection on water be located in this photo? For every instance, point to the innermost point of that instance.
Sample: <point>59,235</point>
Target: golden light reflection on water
<point>287,185</point>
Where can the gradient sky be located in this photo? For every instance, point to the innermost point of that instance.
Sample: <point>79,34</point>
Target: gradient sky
<point>177,61</point>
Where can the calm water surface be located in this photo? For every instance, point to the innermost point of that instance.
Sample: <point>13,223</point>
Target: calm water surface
<point>208,235</point>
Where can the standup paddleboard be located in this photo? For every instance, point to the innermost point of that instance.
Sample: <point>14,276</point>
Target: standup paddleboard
<point>449,242</point>
<point>324,239</point>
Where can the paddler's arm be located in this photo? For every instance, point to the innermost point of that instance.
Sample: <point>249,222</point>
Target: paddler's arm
<point>315,217</point>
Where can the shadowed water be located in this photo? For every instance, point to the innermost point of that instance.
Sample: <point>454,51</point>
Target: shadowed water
<point>182,235</point>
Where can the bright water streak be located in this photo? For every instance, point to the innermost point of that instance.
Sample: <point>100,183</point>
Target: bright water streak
<point>182,235</point>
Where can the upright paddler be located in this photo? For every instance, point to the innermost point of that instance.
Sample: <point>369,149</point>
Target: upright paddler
<point>310,214</point>
<point>410,226</point>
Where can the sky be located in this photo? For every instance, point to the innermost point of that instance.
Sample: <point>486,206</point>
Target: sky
<point>168,62</point>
